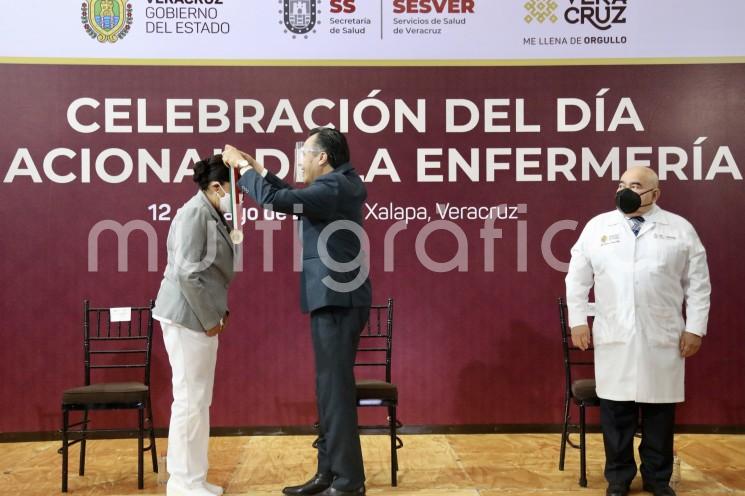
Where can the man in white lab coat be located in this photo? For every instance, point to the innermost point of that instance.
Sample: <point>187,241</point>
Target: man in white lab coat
<point>645,264</point>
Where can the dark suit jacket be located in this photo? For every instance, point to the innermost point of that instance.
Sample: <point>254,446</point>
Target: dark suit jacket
<point>336,196</point>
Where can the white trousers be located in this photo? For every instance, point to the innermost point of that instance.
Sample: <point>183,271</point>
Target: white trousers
<point>192,355</point>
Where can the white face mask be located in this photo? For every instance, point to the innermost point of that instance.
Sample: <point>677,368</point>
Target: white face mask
<point>225,202</point>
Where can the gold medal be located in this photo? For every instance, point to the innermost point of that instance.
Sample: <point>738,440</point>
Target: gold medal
<point>236,236</point>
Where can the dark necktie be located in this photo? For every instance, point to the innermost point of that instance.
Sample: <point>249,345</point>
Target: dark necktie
<point>636,224</point>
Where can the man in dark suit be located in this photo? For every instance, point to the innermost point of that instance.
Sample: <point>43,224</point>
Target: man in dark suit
<point>338,299</point>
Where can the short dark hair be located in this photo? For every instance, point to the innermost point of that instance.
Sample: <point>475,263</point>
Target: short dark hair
<point>333,143</point>
<point>210,169</point>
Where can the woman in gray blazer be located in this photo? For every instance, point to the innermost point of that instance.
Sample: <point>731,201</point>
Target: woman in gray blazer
<point>192,309</point>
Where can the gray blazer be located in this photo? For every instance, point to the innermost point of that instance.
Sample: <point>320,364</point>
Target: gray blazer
<point>336,196</point>
<point>194,290</point>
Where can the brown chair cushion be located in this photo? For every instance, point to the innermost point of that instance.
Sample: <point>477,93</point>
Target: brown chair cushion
<point>376,390</point>
<point>584,390</point>
<point>113,392</point>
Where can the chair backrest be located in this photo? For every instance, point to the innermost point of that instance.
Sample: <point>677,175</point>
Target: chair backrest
<point>573,356</point>
<point>117,338</point>
<point>376,340</point>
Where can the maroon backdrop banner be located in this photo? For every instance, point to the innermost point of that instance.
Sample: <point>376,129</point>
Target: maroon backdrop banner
<point>476,344</point>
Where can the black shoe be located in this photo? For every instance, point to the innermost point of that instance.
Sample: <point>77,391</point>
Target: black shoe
<point>338,492</point>
<point>662,490</point>
<point>617,490</point>
<point>317,484</point>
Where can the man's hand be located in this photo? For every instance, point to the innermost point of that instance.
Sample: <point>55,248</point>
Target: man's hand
<point>232,157</point>
<point>689,344</point>
<point>237,159</point>
<point>581,337</point>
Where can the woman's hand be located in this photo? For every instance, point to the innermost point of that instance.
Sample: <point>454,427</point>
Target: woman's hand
<point>214,331</point>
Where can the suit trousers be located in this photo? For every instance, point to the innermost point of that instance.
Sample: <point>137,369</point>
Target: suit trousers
<point>335,332</point>
<point>619,421</point>
<point>193,356</point>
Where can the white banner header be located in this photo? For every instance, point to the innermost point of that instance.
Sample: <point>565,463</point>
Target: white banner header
<point>252,31</point>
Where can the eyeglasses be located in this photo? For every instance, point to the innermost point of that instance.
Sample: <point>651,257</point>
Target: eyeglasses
<point>309,150</point>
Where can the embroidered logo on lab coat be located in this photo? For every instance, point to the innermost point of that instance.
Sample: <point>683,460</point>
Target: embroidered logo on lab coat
<point>664,236</point>
<point>607,239</point>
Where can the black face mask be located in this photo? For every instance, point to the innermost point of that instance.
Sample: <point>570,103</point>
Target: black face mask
<point>628,201</point>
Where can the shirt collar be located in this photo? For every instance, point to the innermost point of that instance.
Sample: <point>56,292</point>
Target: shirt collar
<point>655,215</point>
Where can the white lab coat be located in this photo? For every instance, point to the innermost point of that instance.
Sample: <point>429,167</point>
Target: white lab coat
<point>641,284</point>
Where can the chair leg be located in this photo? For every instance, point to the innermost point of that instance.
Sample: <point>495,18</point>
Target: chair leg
<point>153,450</point>
<point>582,448</point>
<point>394,455</point>
<point>65,423</point>
<point>140,447</point>
<point>81,467</point>
<point>564,433</point>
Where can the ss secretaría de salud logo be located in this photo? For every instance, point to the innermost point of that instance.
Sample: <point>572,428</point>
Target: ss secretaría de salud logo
<point>299,16</point>
<point>106,20</point>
